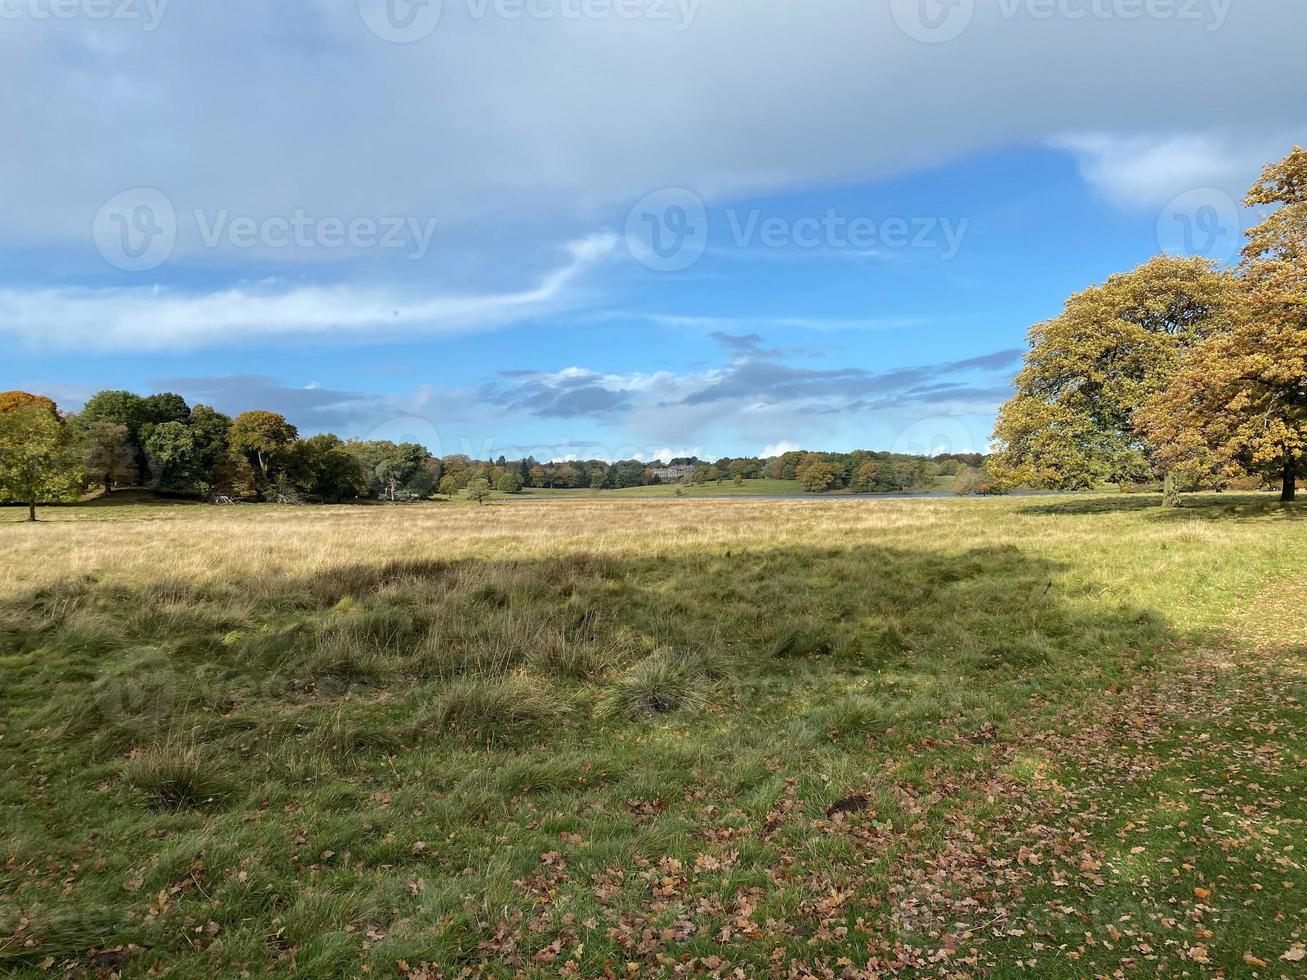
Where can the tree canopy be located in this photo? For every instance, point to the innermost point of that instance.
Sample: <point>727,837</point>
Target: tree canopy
<point>1072,423</point>
<point>1239,402</point>
<point>39,461</point>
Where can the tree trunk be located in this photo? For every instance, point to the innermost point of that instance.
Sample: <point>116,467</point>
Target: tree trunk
<point>1290,487</point>
<point>31,511</point>
<point>1170,495</point>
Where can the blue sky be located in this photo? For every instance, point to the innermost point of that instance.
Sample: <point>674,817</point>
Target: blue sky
<point>706,227</point>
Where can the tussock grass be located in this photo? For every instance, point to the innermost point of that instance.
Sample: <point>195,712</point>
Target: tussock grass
<point>350,736</point>
<point>665,681</point>
<point>177,774</point>
<point>494,710</point>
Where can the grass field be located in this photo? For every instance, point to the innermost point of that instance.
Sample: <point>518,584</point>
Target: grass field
<point>726,488</point>
<point>1036,737</point>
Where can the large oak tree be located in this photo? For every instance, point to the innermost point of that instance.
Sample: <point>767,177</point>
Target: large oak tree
<point>1072,423</point>
<point>1239,402</point>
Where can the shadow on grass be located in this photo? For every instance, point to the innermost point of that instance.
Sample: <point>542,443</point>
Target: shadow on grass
<point>838,657</point>
<point>1211,506</point>
<point>980,617</point>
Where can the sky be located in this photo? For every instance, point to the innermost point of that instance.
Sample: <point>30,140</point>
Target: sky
<point>609,228</point>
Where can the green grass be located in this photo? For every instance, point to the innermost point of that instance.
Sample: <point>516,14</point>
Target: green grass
<point>726,488</point>
<point>1015,737</point>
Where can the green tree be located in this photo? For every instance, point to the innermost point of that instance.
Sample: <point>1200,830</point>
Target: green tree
<point>327,470</point>
<point>263,438</point>
<point>1072,423</point>
<point>170,449</point>
<point>164,407</point>
<point>479,490</point>
<point>39,458</point>
<point>128,410</point>
<point>107,458</point>
<point>209,437</point>
<point>510,483</point>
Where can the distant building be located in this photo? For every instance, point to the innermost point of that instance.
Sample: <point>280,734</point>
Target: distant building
<point>670,474</point>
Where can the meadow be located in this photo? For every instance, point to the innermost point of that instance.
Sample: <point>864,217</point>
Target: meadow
<point>1012,736</point>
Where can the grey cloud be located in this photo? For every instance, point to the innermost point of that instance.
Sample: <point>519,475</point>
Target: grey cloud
<point>777,383</point>
<point>557,397</point>
<point>535,143</point>
<point>310,409</point>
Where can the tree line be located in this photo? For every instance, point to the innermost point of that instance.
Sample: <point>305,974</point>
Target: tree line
<point>120,439</point>
<point>1181,372</point>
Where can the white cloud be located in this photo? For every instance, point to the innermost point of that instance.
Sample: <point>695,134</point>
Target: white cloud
<point>159,318</point>
<point>1147,171</point>
<point>518,131</point>
<point>779,448</point>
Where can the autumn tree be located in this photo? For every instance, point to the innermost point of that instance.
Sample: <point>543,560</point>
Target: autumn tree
<point>1072,423</point>
<point>818,476</point>
<point>16,399</point>
<point>39,457</point>
<point>1239,401</point>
